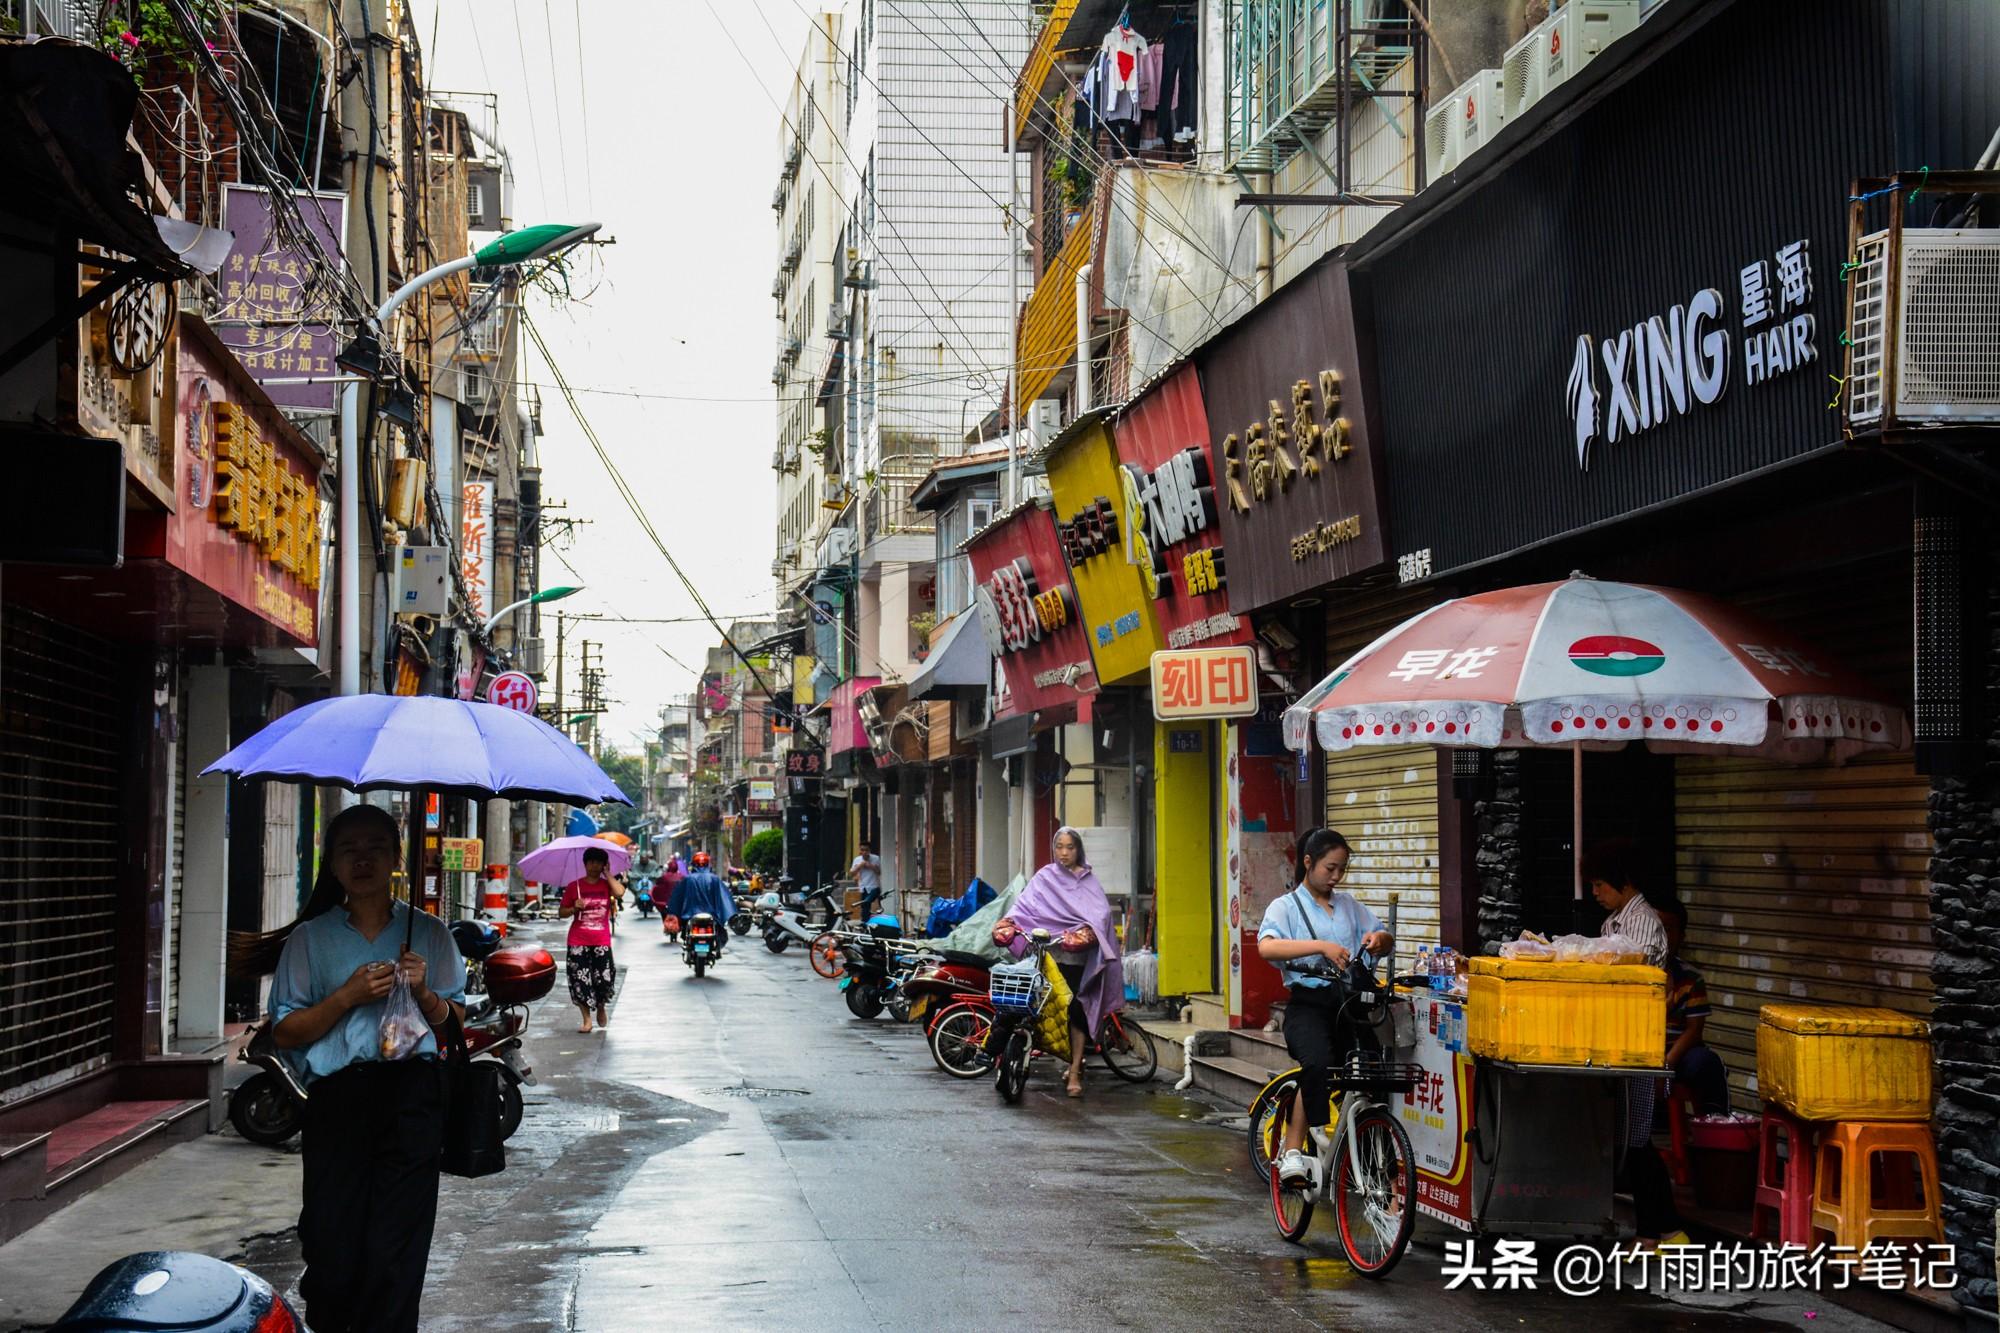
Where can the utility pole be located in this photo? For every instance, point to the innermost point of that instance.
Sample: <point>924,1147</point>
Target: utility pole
<point>562,713</point>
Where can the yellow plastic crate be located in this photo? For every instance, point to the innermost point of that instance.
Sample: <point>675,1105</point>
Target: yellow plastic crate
<point>1836,1062</point>
<point>1538,1013</point>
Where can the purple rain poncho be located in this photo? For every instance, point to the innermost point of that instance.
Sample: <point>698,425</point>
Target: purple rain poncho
<point>1058,900</point>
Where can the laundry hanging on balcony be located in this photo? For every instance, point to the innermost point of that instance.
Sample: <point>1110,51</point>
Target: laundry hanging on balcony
<point>1141,92</point>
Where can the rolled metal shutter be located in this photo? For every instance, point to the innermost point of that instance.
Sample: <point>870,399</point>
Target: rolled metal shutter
<point>281,838</point>
<point>1802,883</point>
<point>1384,799</point>
<point>63,757</point>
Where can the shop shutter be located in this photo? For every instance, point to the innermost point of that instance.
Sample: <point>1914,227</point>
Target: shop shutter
<point>63,757</point>
<point>1384,799</point>
<point>281,838</point>
<point>1802,884</point>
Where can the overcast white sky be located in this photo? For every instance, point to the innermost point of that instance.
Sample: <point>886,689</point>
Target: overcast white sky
<point>665,139</point>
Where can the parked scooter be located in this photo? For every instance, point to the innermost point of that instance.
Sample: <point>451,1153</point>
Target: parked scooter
<point>269,1106</point>
<point>701,947</point>
<point>876,964</point>
<point>943,977</point>
<point>162,1289</point>
<point>814,913</point>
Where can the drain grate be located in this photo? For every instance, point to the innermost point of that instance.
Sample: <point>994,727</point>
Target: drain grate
<point>751,1090</point>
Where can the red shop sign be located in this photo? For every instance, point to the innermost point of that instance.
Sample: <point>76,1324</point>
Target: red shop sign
<point>1028,609</point>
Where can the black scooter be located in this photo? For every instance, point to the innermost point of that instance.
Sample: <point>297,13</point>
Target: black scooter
<point>173,1289</point>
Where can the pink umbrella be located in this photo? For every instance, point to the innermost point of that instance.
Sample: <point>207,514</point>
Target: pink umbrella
<point>561,862</point>
<point>1583,664</point>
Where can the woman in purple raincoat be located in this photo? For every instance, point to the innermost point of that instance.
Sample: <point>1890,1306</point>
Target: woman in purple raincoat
<point>1065,899</point>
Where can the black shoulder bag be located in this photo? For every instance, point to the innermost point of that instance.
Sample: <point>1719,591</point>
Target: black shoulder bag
<point>473,1097</point>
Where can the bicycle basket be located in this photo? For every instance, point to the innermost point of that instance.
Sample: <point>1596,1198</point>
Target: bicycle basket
<point>1017,988</point>
<point>1376,1075</point>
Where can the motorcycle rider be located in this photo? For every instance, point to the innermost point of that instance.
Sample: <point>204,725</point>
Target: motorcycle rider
<point>702,890</point>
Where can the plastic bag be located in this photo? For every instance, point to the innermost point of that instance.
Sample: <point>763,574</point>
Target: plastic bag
<point>1530,946</point>
<point>1142,976</point>
<point>403,1025</point>
<point>1598,949</point>
<point>1052,1024</point>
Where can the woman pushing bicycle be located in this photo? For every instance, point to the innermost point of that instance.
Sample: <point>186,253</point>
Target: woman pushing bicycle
<point>1316,920</point>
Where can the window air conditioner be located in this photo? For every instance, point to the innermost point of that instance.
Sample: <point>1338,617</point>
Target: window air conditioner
<point>1938,318</point>
<point>1482,112</point>
<point>1045,419</point>
<point>1441,136</point>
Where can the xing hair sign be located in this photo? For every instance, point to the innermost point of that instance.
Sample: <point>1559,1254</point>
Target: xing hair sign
<point>1668,365</point>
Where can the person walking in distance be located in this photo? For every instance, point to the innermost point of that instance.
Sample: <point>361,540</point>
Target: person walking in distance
<point>374,1126</point>
<point>589,903</point>
<point>867,872</point>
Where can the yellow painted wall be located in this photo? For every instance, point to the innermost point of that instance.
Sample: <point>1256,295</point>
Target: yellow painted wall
<point>1107,585</point>
<point>1184,851</point>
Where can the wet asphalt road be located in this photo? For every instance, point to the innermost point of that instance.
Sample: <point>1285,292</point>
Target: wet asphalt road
<point>739,1151</point>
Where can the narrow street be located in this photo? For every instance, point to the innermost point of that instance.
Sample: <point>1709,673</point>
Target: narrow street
<point>739,1152</point>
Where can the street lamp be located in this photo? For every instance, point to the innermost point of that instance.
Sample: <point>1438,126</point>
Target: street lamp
<point>545,595</point>
<point>516,247</point>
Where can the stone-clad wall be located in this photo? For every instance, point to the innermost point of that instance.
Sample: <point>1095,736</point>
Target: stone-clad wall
<point>1965,1019</point>
<point>1499,856</point>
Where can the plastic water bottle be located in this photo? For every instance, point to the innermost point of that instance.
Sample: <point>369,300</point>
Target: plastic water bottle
<point>1426,965</point>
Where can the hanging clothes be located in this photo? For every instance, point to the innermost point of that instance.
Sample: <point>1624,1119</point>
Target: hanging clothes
<point>1180,82</point>
<point>1123,49</point>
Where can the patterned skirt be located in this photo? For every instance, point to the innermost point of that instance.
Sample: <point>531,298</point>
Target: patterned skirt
<point>591,975</point>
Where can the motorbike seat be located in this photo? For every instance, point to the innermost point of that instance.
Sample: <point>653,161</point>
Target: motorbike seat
<point>963,959</point>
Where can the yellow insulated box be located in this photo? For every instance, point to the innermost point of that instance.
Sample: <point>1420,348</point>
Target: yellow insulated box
<point>1567,1013</point>
<point>1834,1062</point>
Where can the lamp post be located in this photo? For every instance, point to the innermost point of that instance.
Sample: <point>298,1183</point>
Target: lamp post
<point>545,595</point>
<point>364,356</point>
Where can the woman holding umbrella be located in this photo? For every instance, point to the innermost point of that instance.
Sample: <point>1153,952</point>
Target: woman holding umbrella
<point>374,1126</point>
<point>589,903</point>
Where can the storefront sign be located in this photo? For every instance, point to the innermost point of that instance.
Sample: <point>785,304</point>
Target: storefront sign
<point>804,763</point>
<point>249,522</point>
<point>1173,515</point>
<point>1204,682</point>
<point>763,797</point>
<point>1659,369</point>
<point>1030,614</point>
<point>462,853</point>
<point>268,316</point>
<point>513,689</point>
<point>1114,596</point>
<point>1434,1112</point>
<point>1287,416</point>
<point>1556,349</point>
<point>475,545</point>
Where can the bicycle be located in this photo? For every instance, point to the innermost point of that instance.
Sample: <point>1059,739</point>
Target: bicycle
<point>1365,1167</point>
<point>961,1034</point>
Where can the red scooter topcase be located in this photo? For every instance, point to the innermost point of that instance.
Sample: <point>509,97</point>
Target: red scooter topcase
<point>520,976</point>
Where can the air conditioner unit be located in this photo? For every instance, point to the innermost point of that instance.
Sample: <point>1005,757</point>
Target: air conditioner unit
<point>777,287</point>
<point>1441,137</point>
<point>1045,419</point>
<point>475,203</point>
<point>1573,35</point>
<point>778,373</point>
<point>836,547</point>
<point>836,323</point>
<point>1521,75</point>
<point>1937,316</point>
<point>1482,111</point>
<point>777,460</point>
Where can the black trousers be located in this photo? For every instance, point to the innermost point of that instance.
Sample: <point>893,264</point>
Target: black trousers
<point>1317,1039</point>
<point>1180,76</point>
<point>1645,1176</point>
<point>373,1134</point>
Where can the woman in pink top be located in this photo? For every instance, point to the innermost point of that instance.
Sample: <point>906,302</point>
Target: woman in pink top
<point>589,903</point>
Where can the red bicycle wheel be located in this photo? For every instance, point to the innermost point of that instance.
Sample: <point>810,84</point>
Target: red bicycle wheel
<point>1376,1208</point>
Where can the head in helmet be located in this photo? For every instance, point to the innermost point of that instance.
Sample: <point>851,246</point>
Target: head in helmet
<point>701,860</point>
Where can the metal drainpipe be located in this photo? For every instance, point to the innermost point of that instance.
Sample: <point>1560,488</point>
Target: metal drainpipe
<point>1083,403</point>
<point>1266,258</point>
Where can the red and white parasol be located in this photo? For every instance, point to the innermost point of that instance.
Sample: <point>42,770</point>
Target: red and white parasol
<point>1585,664</point>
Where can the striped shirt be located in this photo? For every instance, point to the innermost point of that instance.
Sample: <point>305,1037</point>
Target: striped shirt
<point>1639,922</point>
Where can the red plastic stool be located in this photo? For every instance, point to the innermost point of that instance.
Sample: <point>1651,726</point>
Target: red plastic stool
<point>1785,1189</point>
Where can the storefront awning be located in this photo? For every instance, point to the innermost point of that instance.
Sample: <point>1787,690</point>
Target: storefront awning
<point>959,663</point>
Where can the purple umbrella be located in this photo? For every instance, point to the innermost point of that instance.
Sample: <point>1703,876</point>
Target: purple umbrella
<point>561,862</point>
<point>371,742</point>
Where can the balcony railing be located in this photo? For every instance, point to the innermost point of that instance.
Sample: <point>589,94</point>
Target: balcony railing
<point>1041,60</point>
<point>1293,65</point>
<point>1048,320</point>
